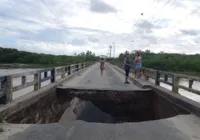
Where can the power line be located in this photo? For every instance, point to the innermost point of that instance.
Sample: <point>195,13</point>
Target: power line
<point>176,6</point>
<point>167,2</point>
<point>49,9</point>
<point>172,10</point>
<point>153,17</point>
<point>190,14</point>
<point>158,1</point>
<point>155,11</point>
<point>138,21</point>
<point>56,19</point>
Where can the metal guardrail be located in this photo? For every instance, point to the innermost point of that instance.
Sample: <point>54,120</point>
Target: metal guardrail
<point>168,78</point>
<point>163,77</point>
<point>6,82</point>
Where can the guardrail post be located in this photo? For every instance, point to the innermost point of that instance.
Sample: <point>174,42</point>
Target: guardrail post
<point>45,74</point>
<point>82,65</point>
<point>190,83</point>
<point>166,78</point>
<point>175,84</point>
<point>53,75</point>
<point>63,73</point>
<point>66,70</point>
<point>79,66</point>
<point>24,79</point>
<point>69,69</point>
<point>37,80</point>
<point>146,77</point>
<point>157,80</point>
<point>8,88</point>
<point>73,68</point>
<point>76,68</point>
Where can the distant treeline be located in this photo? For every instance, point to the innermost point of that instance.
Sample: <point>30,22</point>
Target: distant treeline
<point>8,55</point>
<point>168,62</point>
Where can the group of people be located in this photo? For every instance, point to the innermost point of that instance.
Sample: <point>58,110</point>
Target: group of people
<point>136,65</point>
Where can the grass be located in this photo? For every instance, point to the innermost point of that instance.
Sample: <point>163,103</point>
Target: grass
<point>11,66</point>
<point>33,66</point>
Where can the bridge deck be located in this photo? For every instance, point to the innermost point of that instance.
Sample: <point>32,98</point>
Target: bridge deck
<point>182,127</point>
<point>91,78</point>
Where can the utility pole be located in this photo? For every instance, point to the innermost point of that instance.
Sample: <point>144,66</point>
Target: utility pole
<point>110,50</point>
<point>108,53</point>
<point>113,49</point>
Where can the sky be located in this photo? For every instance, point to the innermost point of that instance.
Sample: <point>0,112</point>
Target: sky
<point>66,27</point>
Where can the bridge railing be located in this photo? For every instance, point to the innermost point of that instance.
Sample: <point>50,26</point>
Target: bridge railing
<point>7,88</point>
<point>171,79</point>
<point>168,78</point>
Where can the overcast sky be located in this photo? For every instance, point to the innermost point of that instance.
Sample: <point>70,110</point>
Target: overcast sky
<point>74,26</point>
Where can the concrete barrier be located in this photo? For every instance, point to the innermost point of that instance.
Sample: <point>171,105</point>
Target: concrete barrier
<point>21,103</point>
<point>39,76</point>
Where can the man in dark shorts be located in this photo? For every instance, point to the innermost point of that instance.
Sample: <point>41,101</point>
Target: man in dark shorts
<point>126,67</point>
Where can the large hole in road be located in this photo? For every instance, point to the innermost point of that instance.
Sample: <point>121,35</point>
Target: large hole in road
<point>101,106</point>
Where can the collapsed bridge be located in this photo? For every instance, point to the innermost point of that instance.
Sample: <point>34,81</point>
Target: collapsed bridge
<point>91,106</point>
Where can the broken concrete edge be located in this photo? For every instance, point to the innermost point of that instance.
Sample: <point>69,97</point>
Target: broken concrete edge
<point>177,99</point>
<point>101,89</point>
<point>104,95</point>
<point>79,110</point>
<point>32,97</point>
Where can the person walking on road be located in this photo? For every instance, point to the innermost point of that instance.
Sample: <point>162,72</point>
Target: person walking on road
<point>127,67</point>
<point>137,64</point>
<point>102,66</point>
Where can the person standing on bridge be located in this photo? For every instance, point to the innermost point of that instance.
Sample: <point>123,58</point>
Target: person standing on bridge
<point>137,64</point>
<point>126,66</point>
<point>102,66</point>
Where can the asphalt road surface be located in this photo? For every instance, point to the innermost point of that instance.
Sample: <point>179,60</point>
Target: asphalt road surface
<point>92,78</point>
<point>184,127</point>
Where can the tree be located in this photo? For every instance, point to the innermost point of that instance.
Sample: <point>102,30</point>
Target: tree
<point>167,61</point>
<point>14,56</point>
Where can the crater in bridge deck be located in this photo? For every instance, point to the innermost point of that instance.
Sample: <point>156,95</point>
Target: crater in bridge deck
<point>101,106</point>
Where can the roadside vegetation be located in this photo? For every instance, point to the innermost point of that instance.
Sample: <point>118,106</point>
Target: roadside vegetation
<point>178,63</point>
<point>17,58</point>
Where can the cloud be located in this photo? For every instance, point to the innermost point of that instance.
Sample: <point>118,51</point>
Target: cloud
<point>100,6</point>
<point>93,39</point>
<point>78,42</point>
<point>66,26</point>
<point>145,24</point>
<point>191,32</point>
